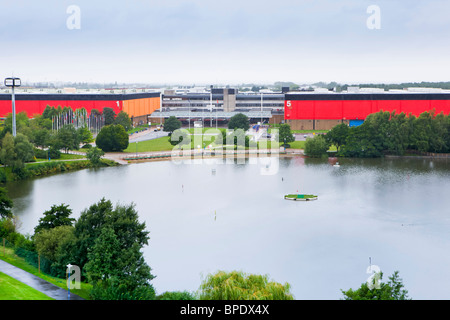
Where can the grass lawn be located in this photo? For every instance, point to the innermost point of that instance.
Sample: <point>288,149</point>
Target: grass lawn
<point>12,289</point>
<point>159,144</point>
<point>64,156</point>
<point>204,130</point>
<point>163,144</point>
<point>297,145</point>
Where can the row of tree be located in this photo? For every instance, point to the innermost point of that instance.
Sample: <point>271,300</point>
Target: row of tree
<point>386,133</point>
<point>38,138</point>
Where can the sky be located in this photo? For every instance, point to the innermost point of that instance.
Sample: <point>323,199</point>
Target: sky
<point>202,42</point>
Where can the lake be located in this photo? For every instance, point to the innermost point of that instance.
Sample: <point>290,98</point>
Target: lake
<point>208,217</point>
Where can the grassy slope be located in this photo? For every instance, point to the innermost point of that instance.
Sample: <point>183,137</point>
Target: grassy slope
<point>12,289</point>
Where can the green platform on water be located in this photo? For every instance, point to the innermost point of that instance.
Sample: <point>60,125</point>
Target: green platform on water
<point>300,197</point>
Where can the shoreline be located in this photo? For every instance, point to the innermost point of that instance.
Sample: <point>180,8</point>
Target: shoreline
<point>196,155</point>
<point>152,156</point>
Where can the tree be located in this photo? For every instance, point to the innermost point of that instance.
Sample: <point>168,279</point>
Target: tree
<point>49,241</point>
<point>8,154</point>
<point>49,112</point>
<point>94,155</point>
<point>85,135</point>
<point>399,133</point>
<point>41,137</point>
<point>22,124</point>
<point>316,147</point>
<point>67,138</point>
<point>109,115</point>
<point>112,138</point>
<point>124,120</point>
<point>370,139</point>
<point>109,246</point>
<point>171,124</point>
<point>285,134</point>
<point>6,204</point>
<point>16,151</point>
<point>24,149</point>
<point>180,137</point>
<point>239,121</point>
<point>55,217</point>
<point>123,219</point>
<point>240,286</point>
<point>337,135</point>
<point>239,138</point>
<point>176,295</point>
<point>392,290</point>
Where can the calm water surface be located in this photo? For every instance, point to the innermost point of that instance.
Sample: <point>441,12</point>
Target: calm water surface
<point>393,211</point>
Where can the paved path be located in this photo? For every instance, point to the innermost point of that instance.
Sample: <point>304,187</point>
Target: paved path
<point>148,134</point>
<point>37,283</point>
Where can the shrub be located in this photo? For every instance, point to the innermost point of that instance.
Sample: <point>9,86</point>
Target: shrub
<point>112,138</point>
<point>240,286</point>
<point>239,121</point>
<point>40,154</point>
<point>111,289</point>
<point>176,295</point>
<point>316,147</point>
<point>54,153</point>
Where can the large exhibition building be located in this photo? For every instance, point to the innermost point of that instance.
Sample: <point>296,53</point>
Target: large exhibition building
<point>138,105</point>
<point>324,110</point>
<point>318,109</point>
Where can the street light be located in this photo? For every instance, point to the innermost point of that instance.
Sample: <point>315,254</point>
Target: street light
<point>210,107</point>
<point>13,82</point>
<point>160,108</point>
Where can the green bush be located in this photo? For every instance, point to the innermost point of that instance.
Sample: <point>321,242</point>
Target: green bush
<point>176,295</point>
<point>112,138</point>
<point>40,154</point>
<point>54,153</point>
<point>112,290</point>
<point>241,286</point>
<point>316,147</point>
<point>3,178</point>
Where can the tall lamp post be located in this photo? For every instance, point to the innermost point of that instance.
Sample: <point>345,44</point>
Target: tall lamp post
<point>12,83</point>
<point>210,107</point>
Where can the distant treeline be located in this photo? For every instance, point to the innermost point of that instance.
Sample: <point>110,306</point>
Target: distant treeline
<point>441,85</point>
<point>390,133</point>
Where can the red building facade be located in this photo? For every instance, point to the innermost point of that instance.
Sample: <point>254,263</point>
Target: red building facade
<point>313,111</point>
